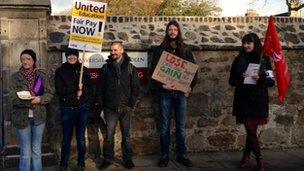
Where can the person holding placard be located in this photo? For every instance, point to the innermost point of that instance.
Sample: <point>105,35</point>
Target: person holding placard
<point>251,74</point>
<point>30,92</point>
<point>75,109</point>
<point>171,99</point>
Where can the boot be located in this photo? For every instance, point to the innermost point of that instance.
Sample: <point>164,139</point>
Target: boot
<point>260,164</point>
<point>245,162</point>
<point>63,168</point>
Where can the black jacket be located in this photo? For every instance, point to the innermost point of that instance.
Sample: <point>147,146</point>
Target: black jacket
<point>66,85</point>
<point>250,101</point>
<point>118,90</point>
<point>156,86</point>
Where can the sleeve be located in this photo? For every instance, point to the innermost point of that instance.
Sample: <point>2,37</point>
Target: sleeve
<point>235,78</point>
<point>48,91</point>
<point>134,87</point>
<point>266,74</point>
<point>190,56</point>
<point>87,89</point>
<point>15,101</point>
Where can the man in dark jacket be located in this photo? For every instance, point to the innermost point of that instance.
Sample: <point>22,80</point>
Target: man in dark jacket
<point>74,103</point>
<point>119,92</point>
<point>170,98</point>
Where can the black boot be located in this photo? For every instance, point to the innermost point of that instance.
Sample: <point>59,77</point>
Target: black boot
<point>245,162</point>
<point>184,161</point>
<point>63,168</point>
<point>163,161</point>
<point>128,164</point>
<point>260,163</point>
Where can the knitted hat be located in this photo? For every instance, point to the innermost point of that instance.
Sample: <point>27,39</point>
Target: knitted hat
<point>31,53</point>
<point>70,51</point>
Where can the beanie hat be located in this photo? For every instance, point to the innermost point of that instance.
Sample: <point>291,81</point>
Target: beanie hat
<point>31,53</point>
<point>70,51</point>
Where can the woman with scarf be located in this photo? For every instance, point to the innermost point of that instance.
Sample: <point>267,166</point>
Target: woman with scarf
<point>250,104</point>
<point>30,92</point>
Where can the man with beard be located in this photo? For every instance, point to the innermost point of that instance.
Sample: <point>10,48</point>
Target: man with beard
<point>170,98</point>
<point>119,92</point>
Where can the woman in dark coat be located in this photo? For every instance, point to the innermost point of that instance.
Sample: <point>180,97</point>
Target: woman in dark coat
<point>250,104</point>
<point>74,105</point>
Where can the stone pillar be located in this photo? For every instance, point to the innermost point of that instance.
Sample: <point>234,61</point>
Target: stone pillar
<point>23,25</point>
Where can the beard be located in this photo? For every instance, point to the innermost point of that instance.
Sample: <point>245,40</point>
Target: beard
<point>173,43</point>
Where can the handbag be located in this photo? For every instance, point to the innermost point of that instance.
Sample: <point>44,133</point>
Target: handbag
<point>38,86</point>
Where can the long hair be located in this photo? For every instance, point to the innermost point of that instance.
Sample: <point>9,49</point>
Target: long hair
<point>252,37</point>
<point>179,40</point>
<point>248,57</point>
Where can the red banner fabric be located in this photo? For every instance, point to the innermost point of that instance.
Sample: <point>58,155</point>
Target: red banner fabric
<point>272,48</point>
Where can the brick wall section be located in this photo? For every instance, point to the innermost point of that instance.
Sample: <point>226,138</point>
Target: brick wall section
<point>209,124</point>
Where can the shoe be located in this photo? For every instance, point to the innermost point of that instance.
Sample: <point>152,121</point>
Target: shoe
<point>260,164</point>
<point>80,168</point>
<point>128,164</point>
<point>184,161</point>
<point>104,164</point>
<point>63,168</point>
<point>245,162</point>
<point>164,160</point>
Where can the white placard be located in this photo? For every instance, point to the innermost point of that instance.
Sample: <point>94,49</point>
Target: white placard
<point>252,70</point>
<point>87,25</point>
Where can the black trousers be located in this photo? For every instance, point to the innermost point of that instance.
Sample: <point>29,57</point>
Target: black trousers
<point>112,117</point>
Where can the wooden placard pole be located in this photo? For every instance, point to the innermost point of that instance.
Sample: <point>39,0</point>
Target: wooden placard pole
<point>80,85</point>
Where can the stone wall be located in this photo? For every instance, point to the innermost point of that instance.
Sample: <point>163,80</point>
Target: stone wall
<point>139,33</point>
<point>210,124</point>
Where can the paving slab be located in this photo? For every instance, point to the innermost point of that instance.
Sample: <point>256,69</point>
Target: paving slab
<point>276,160</point>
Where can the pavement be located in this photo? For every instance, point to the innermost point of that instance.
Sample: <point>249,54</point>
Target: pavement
<point>275,160</point>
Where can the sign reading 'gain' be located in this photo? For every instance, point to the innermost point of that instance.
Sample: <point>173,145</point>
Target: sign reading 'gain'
<point>174,70</point>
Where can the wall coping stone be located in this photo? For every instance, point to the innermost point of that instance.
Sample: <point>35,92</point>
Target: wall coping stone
<point>152,19</point>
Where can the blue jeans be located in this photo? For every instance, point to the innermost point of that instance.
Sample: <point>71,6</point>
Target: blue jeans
<point>30,139</point>
<point>74,117</point>
<point>177,102</point>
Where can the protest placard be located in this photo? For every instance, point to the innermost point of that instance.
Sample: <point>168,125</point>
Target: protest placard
<point>174,70</point>
<point>87,25</point>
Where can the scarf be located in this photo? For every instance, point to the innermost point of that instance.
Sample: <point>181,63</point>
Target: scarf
<point>30,77</point>
<point>117,66</point>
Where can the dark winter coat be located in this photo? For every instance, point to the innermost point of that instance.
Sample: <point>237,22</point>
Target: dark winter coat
<point>66,85</point>
<point>157,51</point>
<point>118,90</point>
<point>250,100</point>
<point>20,108</point>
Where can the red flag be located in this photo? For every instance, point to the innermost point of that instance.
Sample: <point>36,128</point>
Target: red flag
<point>272,48</point>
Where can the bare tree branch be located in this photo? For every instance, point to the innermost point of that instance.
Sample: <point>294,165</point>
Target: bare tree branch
<point>297,8</point>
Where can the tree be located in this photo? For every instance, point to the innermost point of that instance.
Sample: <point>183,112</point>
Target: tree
<point>291,8</point>
<point>162,7</point>
<point>292,5</point>
<point>132,7</point>
<point>185,8</point>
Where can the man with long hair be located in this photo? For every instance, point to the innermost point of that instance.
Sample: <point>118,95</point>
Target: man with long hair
<point>170,98</point>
